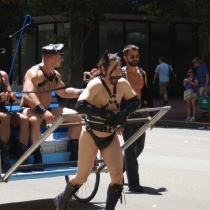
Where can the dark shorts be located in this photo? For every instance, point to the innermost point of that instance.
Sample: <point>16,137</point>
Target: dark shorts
<point>163,88</point>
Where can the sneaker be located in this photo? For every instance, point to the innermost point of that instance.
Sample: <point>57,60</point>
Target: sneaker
<point>192,119</point>
<point>188,118</point>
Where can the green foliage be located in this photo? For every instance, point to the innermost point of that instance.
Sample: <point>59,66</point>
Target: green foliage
<point>79,14</point>
<point>11,17</point>
<point>195,11</point>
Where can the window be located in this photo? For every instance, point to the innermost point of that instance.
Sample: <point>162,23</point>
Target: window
<point>110,37</point>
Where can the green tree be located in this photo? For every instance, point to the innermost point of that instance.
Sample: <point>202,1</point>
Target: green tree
<point>11,16</point>
<point>197,12</point>
<point>81,15</point>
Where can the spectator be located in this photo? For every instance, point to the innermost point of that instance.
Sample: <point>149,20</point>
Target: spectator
<point>202,72</point>
<point>11,118</point>
<point>138,81</point>
<point>163,71</point>
<point>191,82</point>
<point>36,105</point>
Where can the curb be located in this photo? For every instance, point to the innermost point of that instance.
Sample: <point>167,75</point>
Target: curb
<point>183,124</point>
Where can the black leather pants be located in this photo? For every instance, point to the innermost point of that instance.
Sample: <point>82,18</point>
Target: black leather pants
<point>133,151</point>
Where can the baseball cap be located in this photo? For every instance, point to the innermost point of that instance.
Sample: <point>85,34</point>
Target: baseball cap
<point>196,60</point>
<point>53,49</point>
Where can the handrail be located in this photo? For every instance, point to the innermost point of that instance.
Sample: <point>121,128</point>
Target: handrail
<point>34,146</point>
<point>152,121</point>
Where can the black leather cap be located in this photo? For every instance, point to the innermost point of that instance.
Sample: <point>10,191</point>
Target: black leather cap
<point>53,49</point>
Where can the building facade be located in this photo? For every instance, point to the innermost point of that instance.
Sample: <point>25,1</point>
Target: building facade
<point>178,42</point>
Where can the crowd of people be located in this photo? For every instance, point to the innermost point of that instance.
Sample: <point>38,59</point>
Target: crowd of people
<point>110,87</point>
<point>197,79</point>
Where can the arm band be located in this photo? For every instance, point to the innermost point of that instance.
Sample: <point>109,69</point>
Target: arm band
<point>80,91</point>
<point>40,109</point>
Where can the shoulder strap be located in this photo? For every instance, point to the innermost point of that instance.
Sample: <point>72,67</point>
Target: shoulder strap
<point>123,72</point>
<point>41,68</point>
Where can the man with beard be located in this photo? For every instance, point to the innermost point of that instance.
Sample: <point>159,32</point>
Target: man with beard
<point>138,81</point>
<point>35,105</point>
<point>99,100</point>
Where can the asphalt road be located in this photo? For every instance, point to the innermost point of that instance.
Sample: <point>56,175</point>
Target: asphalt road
<point>174,170</point>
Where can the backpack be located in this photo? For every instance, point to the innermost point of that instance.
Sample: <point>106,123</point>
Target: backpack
<point>172,76</point>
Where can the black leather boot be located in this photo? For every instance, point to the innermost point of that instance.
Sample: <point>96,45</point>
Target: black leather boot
<point>5,162</point>
<point>21,149</point>
<point>62,200</point>
<point>113,194</point>
<point>38,158</point>
<point>73,149</point>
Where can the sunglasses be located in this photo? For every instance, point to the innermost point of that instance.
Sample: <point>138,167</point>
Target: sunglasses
<point>134,56</point>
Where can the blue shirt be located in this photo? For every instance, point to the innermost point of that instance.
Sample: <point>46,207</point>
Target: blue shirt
<point>163,71</point>
<point>201,72</point>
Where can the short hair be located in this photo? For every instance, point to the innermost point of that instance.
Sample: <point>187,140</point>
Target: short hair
<point>129,47</point>
<point>191,68</point>
<point>162,58</point>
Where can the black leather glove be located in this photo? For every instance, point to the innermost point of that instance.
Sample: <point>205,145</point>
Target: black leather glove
<point>120,119</point>
<point>109,116</point>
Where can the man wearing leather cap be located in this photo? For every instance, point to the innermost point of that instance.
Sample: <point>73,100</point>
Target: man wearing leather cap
<point>36,105</point>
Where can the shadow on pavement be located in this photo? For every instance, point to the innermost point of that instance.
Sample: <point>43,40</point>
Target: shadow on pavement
<point>150,191</point>
<point>49,205</point>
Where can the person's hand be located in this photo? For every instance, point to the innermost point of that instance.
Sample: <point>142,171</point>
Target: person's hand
<point>109,116</point>
<point>119,130</point>
<point>120,118</point>
<point>48,117</point>
<point>13,96</point>
<point>153,82</point>
<point>204,88</point>
<point>3,96</point>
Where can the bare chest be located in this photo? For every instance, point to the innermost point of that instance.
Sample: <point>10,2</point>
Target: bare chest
<point>136,81</point>
<point>104,99</point>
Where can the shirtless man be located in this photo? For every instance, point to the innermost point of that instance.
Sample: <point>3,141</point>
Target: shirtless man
<point>99,100</point>
<point>36,105</point>
<point>138,81</point>
<point>6,119</point>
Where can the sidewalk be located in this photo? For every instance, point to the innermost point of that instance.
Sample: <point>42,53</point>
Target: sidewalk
<point>178,113</point>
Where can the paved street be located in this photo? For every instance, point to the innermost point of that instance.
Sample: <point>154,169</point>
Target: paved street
<point>174,170</point>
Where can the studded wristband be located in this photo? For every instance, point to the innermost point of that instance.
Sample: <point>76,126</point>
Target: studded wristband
<point>40,109</point>
<point>80,91</point>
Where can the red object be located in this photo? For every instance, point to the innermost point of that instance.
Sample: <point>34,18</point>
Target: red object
<point>93,70</point>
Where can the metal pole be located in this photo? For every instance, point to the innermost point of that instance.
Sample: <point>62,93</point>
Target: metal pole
<point>0,168</point>
<point>35,145</point>
<point>141,130</point>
